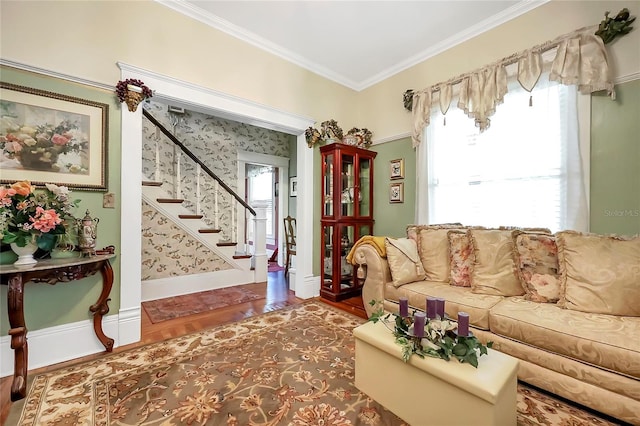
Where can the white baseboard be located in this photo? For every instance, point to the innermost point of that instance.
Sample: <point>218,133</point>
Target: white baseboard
<point>129,325</point>
<point>185,284</point>
<point>310,287</point>
<point>61,343</point>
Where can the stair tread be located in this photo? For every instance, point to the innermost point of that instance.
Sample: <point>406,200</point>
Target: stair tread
<point>226,244</point>
<point>170,200</point>
<point>209,231</point>
<point>151,183</point>
<point>242,256</point>
<point>190,216</point>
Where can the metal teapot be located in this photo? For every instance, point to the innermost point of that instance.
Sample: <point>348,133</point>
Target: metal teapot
<point>87,233</point>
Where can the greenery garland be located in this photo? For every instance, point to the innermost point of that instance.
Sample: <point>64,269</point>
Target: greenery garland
<point>440,338</point>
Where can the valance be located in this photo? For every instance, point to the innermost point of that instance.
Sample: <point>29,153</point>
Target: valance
<point>580,59</point>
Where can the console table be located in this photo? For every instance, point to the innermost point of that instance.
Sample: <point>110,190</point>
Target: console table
<point>50,271</point>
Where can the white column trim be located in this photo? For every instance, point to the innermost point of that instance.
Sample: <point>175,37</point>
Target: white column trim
<point>306,285</point>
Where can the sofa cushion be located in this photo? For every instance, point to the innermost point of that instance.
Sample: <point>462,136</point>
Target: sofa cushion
<point>536,257</point>
<point>461,258</point>
<point>494,271</point>
<point>601,340</point>
<point>457,299</point>
<point>599,273</point>
<point>404,262</point>
<point>433,247</point>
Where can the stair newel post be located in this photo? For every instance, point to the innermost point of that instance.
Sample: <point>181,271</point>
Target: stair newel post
<point>216,208</point>
<point>198,200</point>
<point>260,242</point>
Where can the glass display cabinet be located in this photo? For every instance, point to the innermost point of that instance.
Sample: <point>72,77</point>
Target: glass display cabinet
<point>347,215</point>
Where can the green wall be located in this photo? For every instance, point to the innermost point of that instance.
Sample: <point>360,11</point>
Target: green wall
<point>392,218</point>
<point>50,305</point>
<point>615,161</point>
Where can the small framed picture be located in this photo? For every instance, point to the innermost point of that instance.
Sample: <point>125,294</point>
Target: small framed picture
<point>293,186</point>
<point>396,169</point>
<point>396,192</point>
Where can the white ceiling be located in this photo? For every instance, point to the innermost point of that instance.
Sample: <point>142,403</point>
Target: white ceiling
<point>354,43</point>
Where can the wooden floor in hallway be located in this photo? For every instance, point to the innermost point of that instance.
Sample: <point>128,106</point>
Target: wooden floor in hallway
<point>276,296</point>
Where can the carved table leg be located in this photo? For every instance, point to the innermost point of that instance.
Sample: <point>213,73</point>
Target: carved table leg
<point>18,333</point>
<point>101,308</point>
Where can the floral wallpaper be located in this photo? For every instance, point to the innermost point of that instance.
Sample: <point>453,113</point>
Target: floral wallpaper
<point>168,251</point>
<point>215,141</point>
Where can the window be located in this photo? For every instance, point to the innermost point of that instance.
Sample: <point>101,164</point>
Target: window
<point>261,191</point>
<point>525,170</point>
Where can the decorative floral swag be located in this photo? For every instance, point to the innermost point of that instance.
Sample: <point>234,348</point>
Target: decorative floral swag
<point>580,59</point>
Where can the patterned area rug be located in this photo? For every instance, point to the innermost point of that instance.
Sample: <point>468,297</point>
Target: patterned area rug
<point>289,367</point>
<point>194,303</point>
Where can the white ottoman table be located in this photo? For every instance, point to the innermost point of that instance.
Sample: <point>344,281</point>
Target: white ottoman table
<point>432,391</point>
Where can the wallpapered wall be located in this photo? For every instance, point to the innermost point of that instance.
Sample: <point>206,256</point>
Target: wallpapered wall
<point>168,251</point>
<point>216,142</point>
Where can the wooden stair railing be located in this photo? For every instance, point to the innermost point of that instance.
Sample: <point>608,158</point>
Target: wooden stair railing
<point>260,216</point>
<point>203,166</point>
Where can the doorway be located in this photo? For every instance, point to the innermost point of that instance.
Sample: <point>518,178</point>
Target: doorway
<point>261,188</point>
<point>279,184</point>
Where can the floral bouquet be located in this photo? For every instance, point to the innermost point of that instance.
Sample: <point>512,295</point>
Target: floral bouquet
<point>29,215</point>
<point>38,147</point>
<point>439,338</point>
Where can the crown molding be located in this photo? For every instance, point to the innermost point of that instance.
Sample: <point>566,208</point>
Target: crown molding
<point>471,32</point>
<point>253,39</point>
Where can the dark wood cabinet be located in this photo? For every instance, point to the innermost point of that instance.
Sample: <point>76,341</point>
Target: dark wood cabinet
<point>347,214</point>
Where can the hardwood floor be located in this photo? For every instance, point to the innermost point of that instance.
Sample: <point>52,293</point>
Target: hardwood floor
<point>276,296</point>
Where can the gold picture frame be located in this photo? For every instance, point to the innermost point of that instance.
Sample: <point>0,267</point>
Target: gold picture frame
<point>396,169</point>
<point>47,137</point>
<point>396,192</point>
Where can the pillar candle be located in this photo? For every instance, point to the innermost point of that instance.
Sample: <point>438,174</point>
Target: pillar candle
<point>440,307</point>
<point>431,307</point>
<point>418,324</point>
<point>463,324</point>
<point>404,307</point>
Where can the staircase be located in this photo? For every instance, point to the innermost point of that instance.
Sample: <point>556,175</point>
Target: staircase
<point>211,259</point>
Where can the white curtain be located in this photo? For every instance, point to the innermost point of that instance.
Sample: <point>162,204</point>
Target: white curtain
<point>525,170</point>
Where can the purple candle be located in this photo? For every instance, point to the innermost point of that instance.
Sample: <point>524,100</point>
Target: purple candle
<point>463,324</point>
<point>418,324</point>
<point>404,307</point>
<point>440,307</point>
<point>431,307</point>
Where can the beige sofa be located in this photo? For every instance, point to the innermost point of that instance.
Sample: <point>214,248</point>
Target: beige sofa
<point>567,305</point>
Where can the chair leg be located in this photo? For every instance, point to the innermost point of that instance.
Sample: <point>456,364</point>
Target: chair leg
<point>286,265</point>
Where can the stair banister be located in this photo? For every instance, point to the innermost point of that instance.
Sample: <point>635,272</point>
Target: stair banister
<point>191,155</point>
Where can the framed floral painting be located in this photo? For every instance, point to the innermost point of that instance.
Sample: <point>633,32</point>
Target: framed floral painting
<point>396,169</point>
<point>47,137</point>
<point>396,192</point>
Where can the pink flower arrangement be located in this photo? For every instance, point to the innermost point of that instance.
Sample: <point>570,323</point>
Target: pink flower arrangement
<point>28,214</point>
<point>45,220</point>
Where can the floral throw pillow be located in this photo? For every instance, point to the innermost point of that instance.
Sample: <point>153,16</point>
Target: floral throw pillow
<point>536,257</point>
<point>461,258</point>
